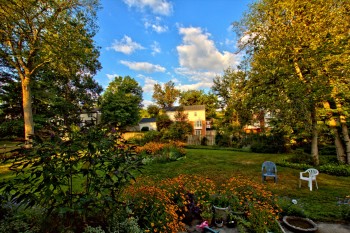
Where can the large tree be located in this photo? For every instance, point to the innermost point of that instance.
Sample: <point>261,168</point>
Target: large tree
<point>58,34</point>
<point>165,96</point>
<point>121,102</point>
<point>298,51</point>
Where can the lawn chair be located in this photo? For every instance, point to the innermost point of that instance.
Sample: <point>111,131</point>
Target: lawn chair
<point>312,173</point>
<point>269,169</point>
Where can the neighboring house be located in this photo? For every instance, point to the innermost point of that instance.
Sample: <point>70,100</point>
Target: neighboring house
<point>91,117</point>
<point>195,115</point>
<point>148,122</point>
<point>259,123</point>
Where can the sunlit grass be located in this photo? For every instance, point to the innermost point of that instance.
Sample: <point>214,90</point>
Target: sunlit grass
<point>219,165</point>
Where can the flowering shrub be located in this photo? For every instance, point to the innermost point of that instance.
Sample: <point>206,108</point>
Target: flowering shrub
<point>191,193</point>
<point>154,208</point>
<point>162,151</point>
<point>164,206</point>
<point>255,200</point>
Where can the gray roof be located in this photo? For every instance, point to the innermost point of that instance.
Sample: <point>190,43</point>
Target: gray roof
<point>186,108</point>
<point>147,120</point>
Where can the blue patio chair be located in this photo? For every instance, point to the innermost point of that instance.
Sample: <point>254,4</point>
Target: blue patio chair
<point>269,169</point>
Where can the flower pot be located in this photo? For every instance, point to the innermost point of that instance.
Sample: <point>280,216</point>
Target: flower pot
<point>219,223</point>
<point>221,211</point>
<point>298,224</point>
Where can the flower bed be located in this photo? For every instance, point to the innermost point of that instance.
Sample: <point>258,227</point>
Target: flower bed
<point>165,206</point>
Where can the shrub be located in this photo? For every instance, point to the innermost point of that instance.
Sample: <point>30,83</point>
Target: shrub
<point>48,175</point>
<point>162,152</point>
<point>154,208</point>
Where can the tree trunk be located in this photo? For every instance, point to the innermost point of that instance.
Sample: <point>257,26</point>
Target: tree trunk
<point>314,146</point>
<point>337,140</point>
<point>345,130</point>
<point>346,139</point>
<point>27,110</point>
<point>339,146</point>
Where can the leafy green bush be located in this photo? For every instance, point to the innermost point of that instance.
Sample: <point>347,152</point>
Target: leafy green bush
<point>145,128</point>
<point>331,169</point>
<point>74,178</point>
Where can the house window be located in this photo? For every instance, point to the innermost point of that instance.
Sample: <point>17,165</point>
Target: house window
<point>195,113</point>
<point>198,124</point>
<point>198,132</point>
<point>89,114</point>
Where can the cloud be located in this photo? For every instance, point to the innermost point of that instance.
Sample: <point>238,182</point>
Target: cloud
<point>160,7</point>
<point>125,45</point>
<point>155,25</point>
<point>148,84</point>
<point>198,52</point>
<point>111,76</point>
<point>146,103</point>
<point>143,66</point>
<point>202,79</point>
<point>155,48</point>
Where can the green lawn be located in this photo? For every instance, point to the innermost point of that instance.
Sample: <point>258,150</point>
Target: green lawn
<point>218,165</point>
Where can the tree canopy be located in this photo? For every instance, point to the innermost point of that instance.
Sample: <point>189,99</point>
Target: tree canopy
<point>165,96</point>
<point>298,53</point>
<point>56,35</point>
<point>121,102</point>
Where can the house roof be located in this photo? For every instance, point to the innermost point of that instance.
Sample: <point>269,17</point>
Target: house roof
<point>186,108</point>
<point>147,120</point>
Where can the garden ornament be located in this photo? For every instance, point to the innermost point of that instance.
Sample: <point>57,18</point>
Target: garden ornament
<point>204,227</point>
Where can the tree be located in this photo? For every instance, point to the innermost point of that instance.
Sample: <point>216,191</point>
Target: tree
<point>163,122</point>
<point>153,110</point>
<point>61,100</point>
<point>198,97</point>
<point>56,34</point>
<point>230,88</point>
<point>121,102</point>
<point>296,49</point>
<point>180,128</point>
<point>165,97</point>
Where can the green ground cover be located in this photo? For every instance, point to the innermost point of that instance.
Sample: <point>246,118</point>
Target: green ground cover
<point>219,165</point>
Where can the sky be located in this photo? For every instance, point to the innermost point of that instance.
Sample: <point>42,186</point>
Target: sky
<point>188,42</point>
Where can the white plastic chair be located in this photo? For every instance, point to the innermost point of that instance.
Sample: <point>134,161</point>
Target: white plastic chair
<point>312,173</point>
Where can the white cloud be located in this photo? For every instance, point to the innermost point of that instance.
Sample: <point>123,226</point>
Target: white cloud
<point>155,25</point>
<point>155,48</point>
<point>202,79</point>
<point>148,85</point>
<point>125,45</point>
<point>198,52</point>
<point>146,103</point>
<point>161,7</point>
<point>111,76</point>
<point>143,66</point>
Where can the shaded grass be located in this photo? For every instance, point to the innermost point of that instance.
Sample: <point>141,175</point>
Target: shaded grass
<point>219,165</point>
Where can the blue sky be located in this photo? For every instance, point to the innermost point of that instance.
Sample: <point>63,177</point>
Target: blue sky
<point>154,41</point>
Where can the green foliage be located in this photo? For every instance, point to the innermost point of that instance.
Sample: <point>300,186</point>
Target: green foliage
<point>121,102</point>
<point>49,174</point>
<point>262,143</point>
<point>11,128</point>
<point>163,122</point>
<point>166,96</point>
<point>90,229</point>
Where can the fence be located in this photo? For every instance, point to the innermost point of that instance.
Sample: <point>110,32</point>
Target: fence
<point>199,140</point>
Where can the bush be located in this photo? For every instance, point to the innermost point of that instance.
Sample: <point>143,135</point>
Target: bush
<point>261,143</point>
<point>162,152</point>
<point>48,174</point>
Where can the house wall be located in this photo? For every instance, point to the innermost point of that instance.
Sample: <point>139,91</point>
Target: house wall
<point>92,116</point>
<point>150,125</point>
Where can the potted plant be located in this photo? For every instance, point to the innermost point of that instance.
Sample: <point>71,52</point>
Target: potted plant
<point>219,219</point>
<point>220,205</point>
<point>207,216</point>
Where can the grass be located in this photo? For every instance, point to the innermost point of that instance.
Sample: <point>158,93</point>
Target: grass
<point>219,165</point>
